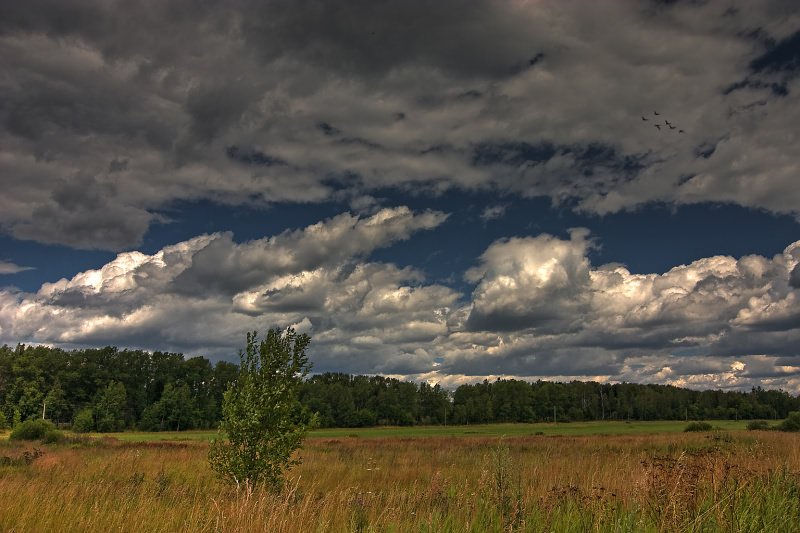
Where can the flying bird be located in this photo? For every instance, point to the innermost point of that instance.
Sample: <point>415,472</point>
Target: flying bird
<point>671,126</point>
<point>667,123</point>
<point>657,126</point>
<point>644,118</point>
<point>656,113</point>
<point>681,131</point>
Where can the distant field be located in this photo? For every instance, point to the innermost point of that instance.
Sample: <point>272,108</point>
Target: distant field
<point>489,430</point>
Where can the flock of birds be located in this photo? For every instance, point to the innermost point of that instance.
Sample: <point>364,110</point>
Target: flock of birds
<point>667,123</point>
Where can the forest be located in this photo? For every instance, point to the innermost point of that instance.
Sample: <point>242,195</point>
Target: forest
<point>110,389</point>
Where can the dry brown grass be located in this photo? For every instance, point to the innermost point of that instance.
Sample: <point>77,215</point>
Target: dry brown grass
<point>661,483</point>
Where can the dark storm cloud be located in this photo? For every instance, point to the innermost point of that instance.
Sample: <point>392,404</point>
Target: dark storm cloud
<point>406,95</point>
<point>84,212</point>
<point>368,38</point>
<point>776,343</point>
<point>537,362</point>
<point>213,108</point>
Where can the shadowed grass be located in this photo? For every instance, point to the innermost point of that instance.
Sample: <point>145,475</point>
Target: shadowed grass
<point>487,430</point>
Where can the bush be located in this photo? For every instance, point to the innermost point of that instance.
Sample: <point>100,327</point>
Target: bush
<point>31,430</point>
<point>758,425</point>
<point>698,426</point>
<point>53,437</point>
<point>792,422</point>
<point>84,421</point>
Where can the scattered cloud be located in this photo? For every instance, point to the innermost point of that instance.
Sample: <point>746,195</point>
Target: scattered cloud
<point>8,267</point>
<point>492,212</point>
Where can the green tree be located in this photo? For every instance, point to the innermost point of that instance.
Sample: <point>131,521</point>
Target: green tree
<point>176,410</point>
<point>109,408</point>
<point>56,402</point>
<point>261,414</point>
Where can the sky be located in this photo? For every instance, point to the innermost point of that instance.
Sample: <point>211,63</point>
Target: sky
<point>444,191</point>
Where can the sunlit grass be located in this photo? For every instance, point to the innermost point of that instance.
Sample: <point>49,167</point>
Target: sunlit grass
<point>742,481</point>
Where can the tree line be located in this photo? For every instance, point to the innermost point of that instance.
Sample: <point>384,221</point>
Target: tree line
<point>111,389</point>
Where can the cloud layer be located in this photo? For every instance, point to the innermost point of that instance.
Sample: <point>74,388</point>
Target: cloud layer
<point>112,111</point>
<point>538,307</point>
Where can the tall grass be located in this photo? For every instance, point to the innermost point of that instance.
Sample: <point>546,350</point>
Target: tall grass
<point>678,482</point>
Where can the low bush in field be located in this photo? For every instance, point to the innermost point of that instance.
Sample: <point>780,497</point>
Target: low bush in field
<point>792,422</point>
<point>698,426</point>
<point>31,430</point>
<point>84,421</point>
<point>54,437</point>
<point>757,425</point>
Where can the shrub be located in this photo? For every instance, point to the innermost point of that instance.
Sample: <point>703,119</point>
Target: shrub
<point>53,437</point>
<point>3,420</point>
<point>31,430</point>
<point>84,421</point>
<point>698,426</point>
<point>758,425</point>
<point>792,422</point>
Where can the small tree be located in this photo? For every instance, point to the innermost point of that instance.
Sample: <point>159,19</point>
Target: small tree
<point>261,415</point>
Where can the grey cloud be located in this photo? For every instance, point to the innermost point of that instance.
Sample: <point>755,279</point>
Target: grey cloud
<point>404,95</point>
<point>372,39</point>
<point>225,266</point>
<point>794,277</point>
<point>528,361</point>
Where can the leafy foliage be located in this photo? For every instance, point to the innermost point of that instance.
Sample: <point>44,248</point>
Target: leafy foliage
<point>698,426</point>
<point>262,417</point>
<point>53,437</point>
<point>792,422</point>
<point>31,430</point>
<point>84,421</point>
<point>110,407</point>
<point>175,410</point>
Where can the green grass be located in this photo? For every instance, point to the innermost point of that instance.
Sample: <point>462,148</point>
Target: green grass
<point>488,430</point>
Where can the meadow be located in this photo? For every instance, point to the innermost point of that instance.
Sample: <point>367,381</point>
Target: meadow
<point>600,477</point>
<point>484,430</point>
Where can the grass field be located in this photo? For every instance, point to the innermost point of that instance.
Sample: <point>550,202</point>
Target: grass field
<point>655,478</point>
<point>488,430</point>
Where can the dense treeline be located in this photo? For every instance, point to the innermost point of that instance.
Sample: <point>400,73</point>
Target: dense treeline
<point>108,389</point>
